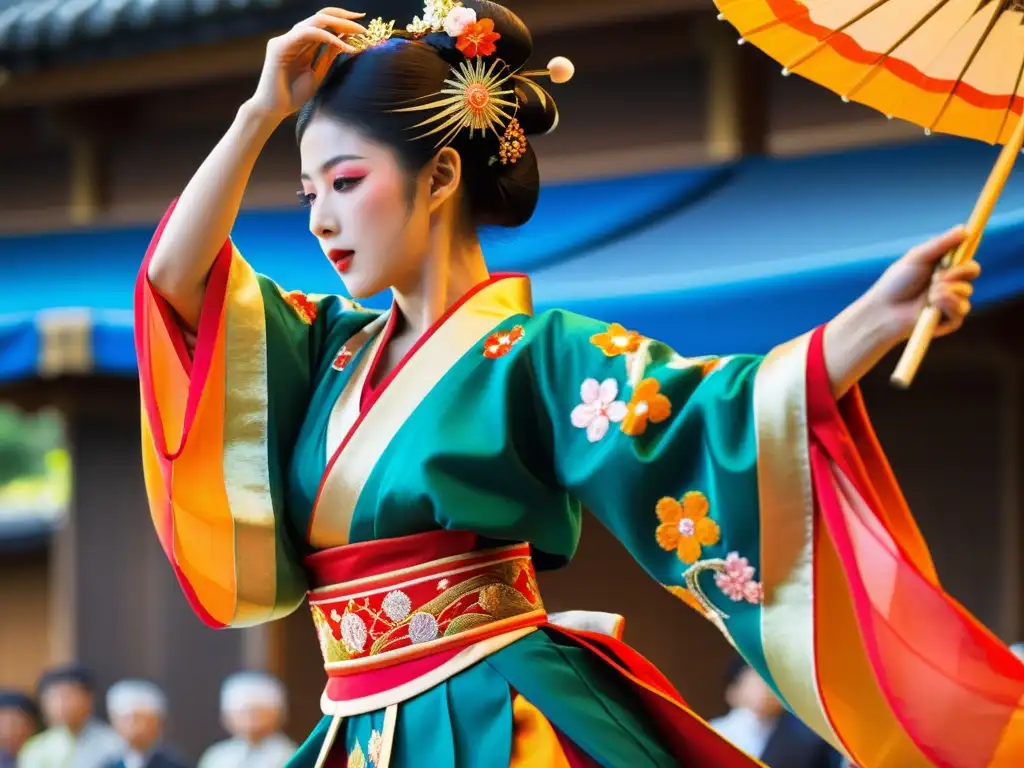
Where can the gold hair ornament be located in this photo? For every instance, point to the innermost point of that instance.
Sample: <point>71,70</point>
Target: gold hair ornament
<point>377,31</point>
<point>478,96</point>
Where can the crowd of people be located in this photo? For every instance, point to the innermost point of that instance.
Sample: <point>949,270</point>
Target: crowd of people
<point>59,726</point>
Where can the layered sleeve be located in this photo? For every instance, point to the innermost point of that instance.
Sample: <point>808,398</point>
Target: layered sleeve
<point>218,430</point>
<point>744,488</point>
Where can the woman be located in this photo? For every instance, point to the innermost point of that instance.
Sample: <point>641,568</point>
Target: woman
<point>410,468</point>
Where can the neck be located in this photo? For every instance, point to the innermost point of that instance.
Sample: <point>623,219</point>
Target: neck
<point>450,269</point>
<point>77,728</point>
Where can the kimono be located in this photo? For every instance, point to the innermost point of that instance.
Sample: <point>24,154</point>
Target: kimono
<point>412,510</point>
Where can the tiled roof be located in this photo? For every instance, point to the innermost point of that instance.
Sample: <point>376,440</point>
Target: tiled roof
<point>41,33</point>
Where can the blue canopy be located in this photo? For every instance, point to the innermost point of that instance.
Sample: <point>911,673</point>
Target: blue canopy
<point>733,258</point>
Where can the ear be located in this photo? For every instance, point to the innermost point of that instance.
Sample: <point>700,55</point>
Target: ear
<point>445,176</point>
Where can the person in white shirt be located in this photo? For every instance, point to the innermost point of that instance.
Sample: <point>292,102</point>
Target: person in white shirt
<point>73,738</point>
<point>138,711</point>
<point>253,708</point>
<point>758,724</point>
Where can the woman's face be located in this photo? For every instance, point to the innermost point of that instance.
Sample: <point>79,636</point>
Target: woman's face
<point>371,219</point>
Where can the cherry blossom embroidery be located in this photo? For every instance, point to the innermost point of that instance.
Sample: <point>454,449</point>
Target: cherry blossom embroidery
<point>478,38</point>
<point>599,408</point>
<point>356,758</point>
<point>422,627</point>
<point>646,405</point>
<point>353,633</point>
<point>343,359</point>
<point>499,344</point>
<point>616,340</point>
<point>685,526</point>
<point>396,605</point>
<point>736,580</point>
<point>304,308</point>
<point>374,746</point>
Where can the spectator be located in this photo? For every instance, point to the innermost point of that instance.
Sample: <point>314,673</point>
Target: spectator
<point>137,710</point>
<point>73,738</point>
<point>19,719</point>
<point>758,724</point>
<point>253,709</point>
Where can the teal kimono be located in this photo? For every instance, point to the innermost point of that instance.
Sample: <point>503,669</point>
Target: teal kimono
<point>276,440</point>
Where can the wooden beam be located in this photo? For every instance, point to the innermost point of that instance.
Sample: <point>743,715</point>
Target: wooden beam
<point>158,70</point>
<point>738,98</point>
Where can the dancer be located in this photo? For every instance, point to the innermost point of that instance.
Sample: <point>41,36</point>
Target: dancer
<point>409,470</point>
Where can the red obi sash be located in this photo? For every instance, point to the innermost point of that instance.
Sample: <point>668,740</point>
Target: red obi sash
<point>396,617</point>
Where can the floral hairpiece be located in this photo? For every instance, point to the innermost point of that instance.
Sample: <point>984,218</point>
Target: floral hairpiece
<point>477,96</point>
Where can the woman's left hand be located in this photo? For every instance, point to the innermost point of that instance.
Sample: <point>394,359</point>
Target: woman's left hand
<point>911,284</point>
<point>864,332</point>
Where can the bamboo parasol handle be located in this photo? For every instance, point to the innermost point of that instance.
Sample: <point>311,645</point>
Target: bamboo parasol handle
<point>930,317</point>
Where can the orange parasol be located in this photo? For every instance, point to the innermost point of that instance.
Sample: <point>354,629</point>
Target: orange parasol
<point>951,66</point>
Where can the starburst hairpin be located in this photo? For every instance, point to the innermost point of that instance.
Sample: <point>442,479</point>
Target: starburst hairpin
<point>476,97</point>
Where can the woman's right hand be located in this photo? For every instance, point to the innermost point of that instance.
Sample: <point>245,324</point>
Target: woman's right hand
<point>290,77</point>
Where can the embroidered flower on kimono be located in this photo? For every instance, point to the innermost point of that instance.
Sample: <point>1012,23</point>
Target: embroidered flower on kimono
<point>685,526</point>
<point>374,746</point>
<point>499,344</point>
<point>478,38</point>
<point>617,340</point>
<point>304,308</point>
<point>737,580</point>
<point>353,632</point>
<point>356,758</point>
<point>343,358</point>
<point>422,628</point>
<point>396,605</point>
<point>442,585</point>
<point>599,408</point>
<point>646,404</point>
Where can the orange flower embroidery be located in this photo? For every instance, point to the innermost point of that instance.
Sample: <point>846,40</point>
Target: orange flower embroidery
<point>647,404</point>
<point>478,39</point>
<point>685,526</point>
<point>343,358</point>
<point>304,308</point>
<point>617,341</point>
<point>499,344</point>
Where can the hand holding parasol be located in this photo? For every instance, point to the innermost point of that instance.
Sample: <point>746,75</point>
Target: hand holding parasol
<point>951,66</point>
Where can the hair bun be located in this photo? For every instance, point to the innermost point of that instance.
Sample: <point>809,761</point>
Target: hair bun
<point>538,112</point>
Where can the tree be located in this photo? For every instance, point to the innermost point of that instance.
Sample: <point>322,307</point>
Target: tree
<point>25,440</point>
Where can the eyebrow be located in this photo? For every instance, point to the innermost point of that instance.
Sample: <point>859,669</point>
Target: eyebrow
<point>336,160</point>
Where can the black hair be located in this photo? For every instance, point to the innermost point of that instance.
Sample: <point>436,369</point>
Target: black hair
<point>67,673</point>
<point>363,90</point>
<point>22,702</point>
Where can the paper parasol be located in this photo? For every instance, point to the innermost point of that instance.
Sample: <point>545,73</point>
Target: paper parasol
<point>950,66</point>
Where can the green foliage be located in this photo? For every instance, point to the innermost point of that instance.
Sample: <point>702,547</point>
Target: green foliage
<point>26,439</point>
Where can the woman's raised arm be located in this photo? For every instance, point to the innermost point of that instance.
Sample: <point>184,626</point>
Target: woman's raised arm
<point>207,208</point>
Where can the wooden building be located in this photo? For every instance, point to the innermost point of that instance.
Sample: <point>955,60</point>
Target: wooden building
<point>106,109</point>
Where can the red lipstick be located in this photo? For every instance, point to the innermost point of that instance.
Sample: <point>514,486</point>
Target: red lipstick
<point>341,259</point>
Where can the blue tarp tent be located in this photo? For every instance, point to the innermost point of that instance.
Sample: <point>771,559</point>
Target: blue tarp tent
<point>733,258</point>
